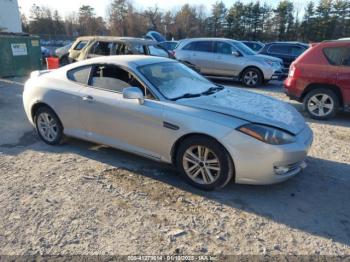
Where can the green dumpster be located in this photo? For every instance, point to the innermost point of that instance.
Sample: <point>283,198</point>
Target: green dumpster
<point>19,54</point>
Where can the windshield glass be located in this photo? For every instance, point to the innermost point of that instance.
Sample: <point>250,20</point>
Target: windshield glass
<point>174,79</point>
<point>243,48</point>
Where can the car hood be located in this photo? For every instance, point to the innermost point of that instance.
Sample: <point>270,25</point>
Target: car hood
<point>251,107</point>
<point>274,59</point>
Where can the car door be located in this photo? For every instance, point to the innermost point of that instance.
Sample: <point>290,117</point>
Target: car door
<point>123,123</point>
<point>226,62</point>
<point>66,100</point>
<point>200,54</point>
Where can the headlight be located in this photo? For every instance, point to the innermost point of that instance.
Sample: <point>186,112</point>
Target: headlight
<point>273,63</point>
<point>270,135</point>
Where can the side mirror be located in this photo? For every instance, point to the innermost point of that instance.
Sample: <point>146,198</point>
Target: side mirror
<point>133,93</point>
<point>236,53</point>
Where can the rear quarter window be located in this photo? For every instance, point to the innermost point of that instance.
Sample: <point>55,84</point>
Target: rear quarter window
<point>80,75</point>
<point>337,55</point>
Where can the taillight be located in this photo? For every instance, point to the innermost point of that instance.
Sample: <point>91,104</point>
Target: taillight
<point>294,71</point>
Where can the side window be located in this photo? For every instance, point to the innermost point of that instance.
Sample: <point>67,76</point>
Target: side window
<point>189,46</point>
<point>337,55</point>
<point>157,51</point>
<point>224,48</point>
<point>80,75</point>
<point>279,49</point>
<point>139,48</point>
<point>201,46</point>
<point>297,50</point>
<point>120,49</point>
<point>113,78</point>
<point>102,48</point>
<point>204,46</point>
<point>80,45</point>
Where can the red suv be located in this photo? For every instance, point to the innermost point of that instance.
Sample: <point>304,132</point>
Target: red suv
<point>320,78</point>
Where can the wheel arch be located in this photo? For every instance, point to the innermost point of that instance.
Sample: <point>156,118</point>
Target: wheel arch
<point>38,105</point>
<point>333,88</point>
<point>252,66</point>
<point>177,143</point>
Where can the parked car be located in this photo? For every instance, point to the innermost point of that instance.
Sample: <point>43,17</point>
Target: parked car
<point>161,109</point>
<point>93,46</point>
<point>228,58</point>
<point>156,36</point>
<point>169,45</point>
<point>320,78</point>
<point>63,53</point>
<point>254,45</point>
<point>287,51</point>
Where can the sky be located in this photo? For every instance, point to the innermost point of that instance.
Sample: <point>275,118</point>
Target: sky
<point>66,7</point>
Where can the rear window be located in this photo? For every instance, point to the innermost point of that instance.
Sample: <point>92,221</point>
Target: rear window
<point>80,45</point>
<point>337,55</point>
<point>297,50</point>
<point>279,49</point>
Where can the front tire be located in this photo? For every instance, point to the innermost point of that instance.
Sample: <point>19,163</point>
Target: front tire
<point>252,77</point>
<point>48,126</point>
<point>204,163</point>
<point>321,104</point>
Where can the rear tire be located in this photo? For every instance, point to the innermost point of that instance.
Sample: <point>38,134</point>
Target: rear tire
<point>321,104</point>
<point>48,126</point>
<point>252,77</point>
<point>204,163</point>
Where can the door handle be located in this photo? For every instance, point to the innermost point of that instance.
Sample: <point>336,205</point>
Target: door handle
<point>87,98</point>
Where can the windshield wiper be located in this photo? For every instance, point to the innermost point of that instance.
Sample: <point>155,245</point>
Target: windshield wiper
<point>187,95</point>
<point>212,90</point>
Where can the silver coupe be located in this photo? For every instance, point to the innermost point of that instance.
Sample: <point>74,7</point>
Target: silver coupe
<point>160,109</point>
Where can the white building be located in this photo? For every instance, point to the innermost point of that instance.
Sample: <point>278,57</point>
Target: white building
<point>10,20</point>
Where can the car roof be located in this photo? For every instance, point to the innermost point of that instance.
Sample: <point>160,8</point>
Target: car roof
<point>333,43</point>
<point>210,39</point>
<point>289,43</point>
<point>133,40</point>
<point>342,40</point>
<point>124,60</point>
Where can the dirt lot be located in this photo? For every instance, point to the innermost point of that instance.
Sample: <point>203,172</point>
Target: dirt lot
<point>82,198</point>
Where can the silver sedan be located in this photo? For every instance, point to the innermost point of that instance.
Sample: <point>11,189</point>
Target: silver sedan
<point>160,109</point>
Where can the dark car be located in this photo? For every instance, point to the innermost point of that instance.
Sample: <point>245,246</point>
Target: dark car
<point>254,45</point>
<point>287,51</point>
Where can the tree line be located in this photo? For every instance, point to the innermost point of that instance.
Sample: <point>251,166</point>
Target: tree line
<point>328,19</point>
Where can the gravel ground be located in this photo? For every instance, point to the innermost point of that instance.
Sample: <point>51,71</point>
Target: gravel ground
<point>83,198</point>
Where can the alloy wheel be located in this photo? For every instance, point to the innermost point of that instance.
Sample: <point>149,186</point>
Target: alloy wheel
<point>47,126</point>
<point>320,105</point>
<point>251,78</point>
<point>201,164</point>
